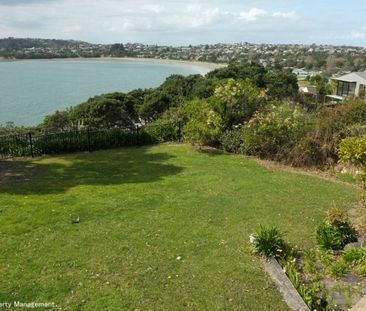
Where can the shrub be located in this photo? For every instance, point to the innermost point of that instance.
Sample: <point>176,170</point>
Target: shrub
<point>326,257</point>
<point>362,270</point>
<point>240,99</point>
<point>335,232</point>
<point>232,140</point>
<point>310,262</point>
<point>328,237</point>
<point>269,243</point>
<point>355,256</point>
<point>316,296</point>
<point>331,125</point>
<point>94,139</point>
<point>274,133</point>
<point>164,130</point>
<point>336,216</point>
<point>320,298</point>
<point>339,268</point>
<point>204,124</point>
<point>353,150</point>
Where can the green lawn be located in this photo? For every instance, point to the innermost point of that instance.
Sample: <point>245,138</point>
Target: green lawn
<point>304,83</point>
<point>140,209</point>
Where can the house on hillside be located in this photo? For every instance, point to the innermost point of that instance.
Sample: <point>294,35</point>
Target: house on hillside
<point>349,85</point>
<point>302,74</point>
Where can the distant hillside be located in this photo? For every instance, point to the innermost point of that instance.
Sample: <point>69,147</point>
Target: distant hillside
<point>328,59</point>
<point>49,48</point>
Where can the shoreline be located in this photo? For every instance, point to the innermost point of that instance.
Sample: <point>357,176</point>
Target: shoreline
<point>200,67</point>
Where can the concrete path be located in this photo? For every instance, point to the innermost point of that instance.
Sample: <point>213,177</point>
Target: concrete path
<point>360,306</point>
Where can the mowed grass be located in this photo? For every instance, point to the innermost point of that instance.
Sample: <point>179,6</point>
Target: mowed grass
<point>161,228</point>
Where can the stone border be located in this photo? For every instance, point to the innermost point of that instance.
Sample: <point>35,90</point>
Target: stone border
<point>287,289</point>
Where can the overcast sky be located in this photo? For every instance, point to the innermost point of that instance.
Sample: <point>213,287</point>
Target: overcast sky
<point>178,22</point>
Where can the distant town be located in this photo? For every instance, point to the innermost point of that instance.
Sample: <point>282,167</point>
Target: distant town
<point>304,59</point>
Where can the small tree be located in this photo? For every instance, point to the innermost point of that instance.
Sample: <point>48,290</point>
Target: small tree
<point>274,132</point>
<point>204,124</point>
<point>353,150</point>
<point>241,99</point>
<point>281,84</point>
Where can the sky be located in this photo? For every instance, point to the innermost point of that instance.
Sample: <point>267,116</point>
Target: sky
<point>184,22</point>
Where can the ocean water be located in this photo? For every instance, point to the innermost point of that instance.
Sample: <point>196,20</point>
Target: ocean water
<point>32,89</point>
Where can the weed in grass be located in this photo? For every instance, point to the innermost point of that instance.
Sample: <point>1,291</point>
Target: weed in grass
<point>292,273</point>
<point>355,256</point>
<point>325,257</point>
<point>310,262</point>
<point>316,296</point>
<point>339,268</point>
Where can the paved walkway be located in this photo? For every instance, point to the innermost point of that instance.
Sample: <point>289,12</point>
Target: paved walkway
<point>360,306</point>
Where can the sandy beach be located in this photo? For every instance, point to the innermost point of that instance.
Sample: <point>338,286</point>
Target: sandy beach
<point>200,67</point>
<point>7,60</point>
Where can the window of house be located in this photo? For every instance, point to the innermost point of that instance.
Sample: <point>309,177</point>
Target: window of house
<point>346,88</point>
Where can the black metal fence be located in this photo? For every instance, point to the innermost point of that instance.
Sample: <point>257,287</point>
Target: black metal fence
<point>84,140</point>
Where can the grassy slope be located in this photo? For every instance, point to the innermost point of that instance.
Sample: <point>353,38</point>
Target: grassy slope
<point>141,208</point>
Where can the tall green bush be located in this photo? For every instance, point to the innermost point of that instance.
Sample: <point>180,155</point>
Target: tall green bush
<point>232,140</point>
<point>333,124</point>
<point>203,123</point>
<point>335,231</point>
<point>240,100</point>
<point>274,132</point>
<point>353,150</point>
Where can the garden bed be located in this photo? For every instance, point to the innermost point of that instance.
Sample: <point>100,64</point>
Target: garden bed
<point>331,276</point>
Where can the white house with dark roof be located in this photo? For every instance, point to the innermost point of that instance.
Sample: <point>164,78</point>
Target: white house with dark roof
<point>302,74</point>
<point>352,84</point>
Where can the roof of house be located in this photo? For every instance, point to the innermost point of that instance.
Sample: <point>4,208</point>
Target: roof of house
<point>359,77</point>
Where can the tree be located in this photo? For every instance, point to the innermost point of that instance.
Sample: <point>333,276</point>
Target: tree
<point>117,50</point>
<point>59,121</point>
<point>322,85</point>
<point>202,88</point>
<point>241,99</point>
<point>203,123</point>
<point>175,90</point>
<point>251,71</point>
<point>281,84</point>
<point>275,131</point>
<point>155,104</point>
<point>108,110</point>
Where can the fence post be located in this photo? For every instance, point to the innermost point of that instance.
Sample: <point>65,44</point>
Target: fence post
<point>31,143</point>
<point>89,143</point>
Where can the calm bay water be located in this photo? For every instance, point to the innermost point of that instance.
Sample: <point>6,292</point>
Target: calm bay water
<point>30,90</point>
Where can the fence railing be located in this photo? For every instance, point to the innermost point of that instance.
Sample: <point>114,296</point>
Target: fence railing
<point>31,144</point>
